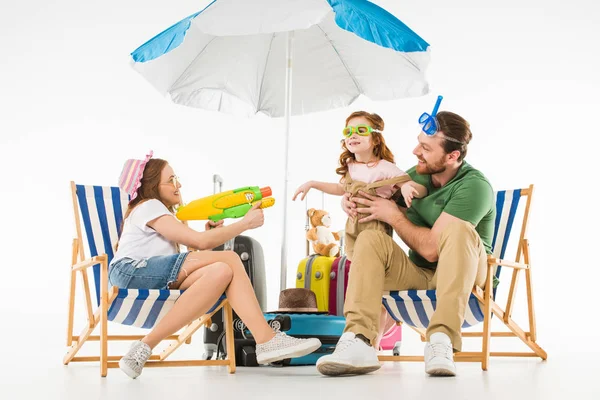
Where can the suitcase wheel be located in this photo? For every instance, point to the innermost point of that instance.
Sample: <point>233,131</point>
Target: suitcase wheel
<point>396,350</point>
<point>276,325</point>
<point>277,364</point>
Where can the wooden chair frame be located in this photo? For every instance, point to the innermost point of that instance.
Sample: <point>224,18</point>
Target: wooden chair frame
<point>485,297</point>
<point>99,317</point>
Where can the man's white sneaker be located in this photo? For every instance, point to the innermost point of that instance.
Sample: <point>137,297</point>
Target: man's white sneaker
<point>351,356</point>
<point>282,346</point>
<point>439,359</point>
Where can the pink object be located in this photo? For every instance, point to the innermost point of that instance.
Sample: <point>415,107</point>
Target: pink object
<point>391,337</point>
<point>131,175</point>
<point>338,284</point>
<point>374,173</point>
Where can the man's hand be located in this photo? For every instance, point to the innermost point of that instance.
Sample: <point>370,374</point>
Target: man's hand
<point>211,224</point>
<point>348,206</point>
<point>378,208</point>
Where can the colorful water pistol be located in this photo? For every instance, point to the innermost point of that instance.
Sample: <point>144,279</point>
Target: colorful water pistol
<point>230,204</point>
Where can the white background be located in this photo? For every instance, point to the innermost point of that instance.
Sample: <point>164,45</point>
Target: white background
<point>524,73</point>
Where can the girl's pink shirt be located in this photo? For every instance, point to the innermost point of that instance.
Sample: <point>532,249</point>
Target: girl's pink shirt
<point>369,174</point>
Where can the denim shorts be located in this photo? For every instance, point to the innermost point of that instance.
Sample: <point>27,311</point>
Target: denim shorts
<point>148,273</point>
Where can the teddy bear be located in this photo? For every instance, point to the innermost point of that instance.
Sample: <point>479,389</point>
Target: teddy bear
<point>323,239</point>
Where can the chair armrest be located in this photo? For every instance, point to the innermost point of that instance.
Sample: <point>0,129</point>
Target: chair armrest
<point>89,262</point>
<point>506,263</point>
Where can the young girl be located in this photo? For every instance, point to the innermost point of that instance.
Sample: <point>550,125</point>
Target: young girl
<point>366,164</point>
<point>148,257</point>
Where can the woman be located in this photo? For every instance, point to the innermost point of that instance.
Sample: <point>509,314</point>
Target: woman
<point>148,257</point>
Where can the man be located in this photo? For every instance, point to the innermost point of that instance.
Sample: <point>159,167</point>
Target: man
<point>449,233</point>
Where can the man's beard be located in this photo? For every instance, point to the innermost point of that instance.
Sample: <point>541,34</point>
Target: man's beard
<point>431,168</point>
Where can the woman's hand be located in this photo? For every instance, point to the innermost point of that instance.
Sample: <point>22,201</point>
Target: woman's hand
<point>254,217</point>
<point>304,188</point>
<point>349,206</point>
<point>211,224</point>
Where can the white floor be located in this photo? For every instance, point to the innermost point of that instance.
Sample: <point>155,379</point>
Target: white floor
<point>36,371</point>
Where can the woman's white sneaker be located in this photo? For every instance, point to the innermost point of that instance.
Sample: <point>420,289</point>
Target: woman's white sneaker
<point>282,346</point>
<point>351,356</point>
<point>133,362</point>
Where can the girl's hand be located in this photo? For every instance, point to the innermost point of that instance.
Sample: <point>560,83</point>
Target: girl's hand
<point>211,224</point>
<point>408,192</point>
<point>304,188</point>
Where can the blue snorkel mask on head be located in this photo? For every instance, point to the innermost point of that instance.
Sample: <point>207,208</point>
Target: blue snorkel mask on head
<point>428,122</point>
<point>430,125</point>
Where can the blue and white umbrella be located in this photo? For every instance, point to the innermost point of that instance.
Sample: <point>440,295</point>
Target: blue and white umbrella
<point>238,57</point>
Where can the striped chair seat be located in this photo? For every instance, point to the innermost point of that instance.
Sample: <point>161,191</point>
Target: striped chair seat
<point>102,210</point>
<point>416,307</point>
<point>143,308</point>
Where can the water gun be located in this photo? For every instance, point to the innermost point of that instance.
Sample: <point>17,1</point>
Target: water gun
<point>230,204</point>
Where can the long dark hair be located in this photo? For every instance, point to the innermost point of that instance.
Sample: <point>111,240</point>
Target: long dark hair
<point>149,185</point>
<point>148,189</point>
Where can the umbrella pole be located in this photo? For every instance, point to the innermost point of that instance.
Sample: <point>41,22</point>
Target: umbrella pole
<point>288,109</point>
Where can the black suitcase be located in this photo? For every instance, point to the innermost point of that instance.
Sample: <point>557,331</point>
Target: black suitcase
<point>252,256</point>
<point>327,328</point>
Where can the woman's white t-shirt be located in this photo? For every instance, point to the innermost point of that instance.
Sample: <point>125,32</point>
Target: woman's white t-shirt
<point>138,240</point>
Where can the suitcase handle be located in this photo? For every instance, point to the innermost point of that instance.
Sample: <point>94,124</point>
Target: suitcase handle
<point>307,224</point>
<point>218,188</point>
<point>217,180</point>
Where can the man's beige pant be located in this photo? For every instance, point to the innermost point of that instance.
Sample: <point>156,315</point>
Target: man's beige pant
<point>380,265</point>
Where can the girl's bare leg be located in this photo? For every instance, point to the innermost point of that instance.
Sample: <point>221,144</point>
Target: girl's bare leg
<point>242,298</point>
<point>211,281</point>
<point>209,273</point>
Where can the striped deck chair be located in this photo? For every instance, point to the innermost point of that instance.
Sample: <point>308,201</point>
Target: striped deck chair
<point>101,210</point>
<point>415,307</point>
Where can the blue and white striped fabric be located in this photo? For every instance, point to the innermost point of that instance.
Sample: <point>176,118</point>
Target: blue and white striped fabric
<point>144,308</point>
<point>102,210</point>
<point>416,307</point>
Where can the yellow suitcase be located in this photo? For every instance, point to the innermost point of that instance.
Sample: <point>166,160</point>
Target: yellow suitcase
<point>314,274</point>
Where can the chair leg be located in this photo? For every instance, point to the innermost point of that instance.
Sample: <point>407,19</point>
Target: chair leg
<point>71,311</point>
<point>529,284</point>
<point>183,337</point>
<point>487,319</point>
<point>229,337</point>
<point>83,336</point>
<point>104,319</point>
<point>486,334</point>
<point>72,297</point>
